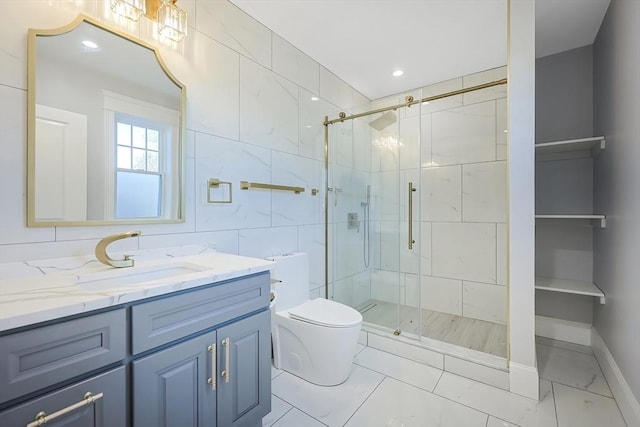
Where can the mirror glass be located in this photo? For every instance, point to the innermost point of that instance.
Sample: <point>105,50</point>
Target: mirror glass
<point>105,129</point>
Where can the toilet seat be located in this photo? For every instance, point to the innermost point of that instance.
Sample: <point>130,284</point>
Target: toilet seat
<point>323,312</point>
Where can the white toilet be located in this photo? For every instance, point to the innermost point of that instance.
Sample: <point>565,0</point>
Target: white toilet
<point>312,339</point>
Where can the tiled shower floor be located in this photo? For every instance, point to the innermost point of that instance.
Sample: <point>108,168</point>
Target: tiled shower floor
<point>479,335</point>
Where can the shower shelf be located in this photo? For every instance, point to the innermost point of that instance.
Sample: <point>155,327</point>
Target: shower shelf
<point>569,287</point>
<point>571,145</point>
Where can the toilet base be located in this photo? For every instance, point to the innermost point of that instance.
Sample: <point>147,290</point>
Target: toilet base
<point>318,354</point>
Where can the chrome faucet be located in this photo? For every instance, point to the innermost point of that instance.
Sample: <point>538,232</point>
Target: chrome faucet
<point>101,249</point>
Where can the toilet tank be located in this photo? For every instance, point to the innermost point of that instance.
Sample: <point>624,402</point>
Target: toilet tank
<point>292,273</point>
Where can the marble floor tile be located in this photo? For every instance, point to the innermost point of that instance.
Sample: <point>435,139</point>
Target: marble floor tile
<point>577,408</point>
<point>408,371</point>
<point>571,368</point>
<point>502,404</point>
<point>275,372</point>
<point>278,408</point>
<point>331,405</point>
<point>563,344</point>
<point>496,422</point>
<point>297,418</point>
<point>395,403</point>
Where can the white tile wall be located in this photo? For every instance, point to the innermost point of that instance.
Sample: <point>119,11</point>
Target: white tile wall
<point>246,120</point>
<point>442,193</point>
<point>260,122</point>
<point>223,21</point>
<point>441,294</point>
<point>485,302</point>
<point>464,251</point>
<point>484,192</point>
<point>290,62</point>
<point>464,135</point>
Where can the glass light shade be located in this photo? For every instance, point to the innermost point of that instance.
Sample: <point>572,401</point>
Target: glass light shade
<point>130,9</point>
<point>172,21</point>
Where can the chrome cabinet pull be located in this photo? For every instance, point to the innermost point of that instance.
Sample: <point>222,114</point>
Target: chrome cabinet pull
<point>410,233</point>
<point>226,374</point>
<point>42,418</point>
<point>214,369</point>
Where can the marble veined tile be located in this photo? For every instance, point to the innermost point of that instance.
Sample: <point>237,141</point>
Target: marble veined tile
<point>297,418</point>
<point>290,62</point>
<point>231,161</point>
<point>464,135</point>
<point>331,405</point>
<point>228,24</point>
<point>441,194</point>
<point>405,370</point>
<point>464,251</point>
<point>564,344</point>
<point>577,408</point>
<point>278,408</point>
<point>395,403</point>
<point>502,404</point>
<point>496,422</point>
<point>484,192</point>
<point>484,301</point>
<point>335,90</point>
<point>260,123</point>
<point>571,368</point>
<point>442,295</point>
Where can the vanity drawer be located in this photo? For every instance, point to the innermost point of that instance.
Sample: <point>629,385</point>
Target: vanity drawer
<point>108,410</point>
<point>44,356</point>
<point>165,320</point>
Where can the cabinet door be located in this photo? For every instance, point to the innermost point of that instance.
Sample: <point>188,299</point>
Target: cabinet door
<point>108,410</point>
<point>244,392</point>
<point>171,388</point>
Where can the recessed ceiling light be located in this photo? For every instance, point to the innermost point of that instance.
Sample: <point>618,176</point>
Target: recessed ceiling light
<point>398,73</point>
<point>90,44</point>
<point>315,98</point>
<point>308,126</point>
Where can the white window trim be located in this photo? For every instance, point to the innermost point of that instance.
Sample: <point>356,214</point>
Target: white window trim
<point>122,104</point>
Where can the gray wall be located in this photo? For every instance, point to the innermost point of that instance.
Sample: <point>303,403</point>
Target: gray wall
<point>564,95</point>
<point>564,182</point>
<point>617,183</point>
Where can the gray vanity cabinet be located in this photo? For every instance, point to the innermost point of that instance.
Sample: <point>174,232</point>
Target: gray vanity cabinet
<point>107,410</point>
<point>244,392</point>
<point>176,387</point>
<point>171,387</point>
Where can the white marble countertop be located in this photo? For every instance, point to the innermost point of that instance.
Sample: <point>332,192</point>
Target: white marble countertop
<point>37,291</point>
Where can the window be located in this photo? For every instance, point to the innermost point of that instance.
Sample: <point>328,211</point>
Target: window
<point>140,149</point>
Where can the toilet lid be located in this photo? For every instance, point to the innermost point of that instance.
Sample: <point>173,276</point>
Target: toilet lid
<point>326,313</point>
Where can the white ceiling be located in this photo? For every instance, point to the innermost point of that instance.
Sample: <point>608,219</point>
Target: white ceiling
<point>364,41</point>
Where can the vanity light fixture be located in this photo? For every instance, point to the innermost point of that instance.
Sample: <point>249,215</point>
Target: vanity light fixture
<point>130,9</point>
<point>172,21</point>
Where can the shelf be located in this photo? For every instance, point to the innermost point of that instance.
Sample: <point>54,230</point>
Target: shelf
<point>569,287</point>
<point>601,218</point>
<point>570,145</point>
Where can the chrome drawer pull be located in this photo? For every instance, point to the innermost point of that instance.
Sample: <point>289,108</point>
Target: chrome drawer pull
<point>227,372</point>
<point>42,418</point>
<point>214,369</point>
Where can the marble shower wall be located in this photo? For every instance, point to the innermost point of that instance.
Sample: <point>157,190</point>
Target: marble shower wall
<point>454,151</point>
<point>249,117</point>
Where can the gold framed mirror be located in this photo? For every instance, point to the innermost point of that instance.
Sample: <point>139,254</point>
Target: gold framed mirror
<point>105,129</point>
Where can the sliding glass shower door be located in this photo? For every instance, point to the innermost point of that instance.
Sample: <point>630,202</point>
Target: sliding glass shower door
<point>374,250</point>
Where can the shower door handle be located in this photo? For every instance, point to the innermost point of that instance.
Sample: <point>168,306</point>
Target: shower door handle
<point>335,194</point>
<point>410,232</point>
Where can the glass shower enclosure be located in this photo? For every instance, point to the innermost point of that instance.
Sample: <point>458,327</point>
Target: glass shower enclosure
<point>416,213</point>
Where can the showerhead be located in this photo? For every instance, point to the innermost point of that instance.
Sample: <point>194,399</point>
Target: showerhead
<point>385,120</point>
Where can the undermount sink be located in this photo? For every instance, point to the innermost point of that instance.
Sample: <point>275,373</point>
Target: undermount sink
<point>134,275</point>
